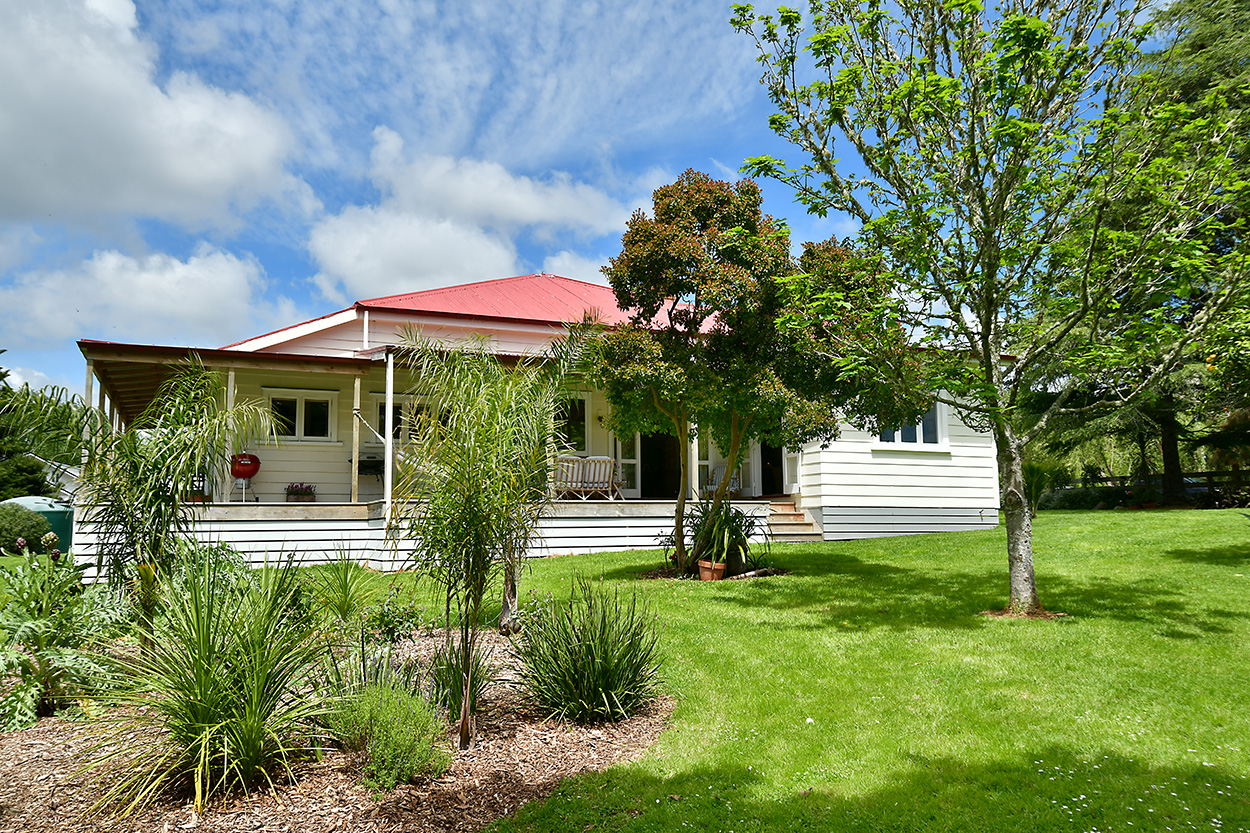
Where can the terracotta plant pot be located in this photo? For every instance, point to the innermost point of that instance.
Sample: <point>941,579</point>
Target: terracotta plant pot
<point>711,572</point>
<point>300,498</point>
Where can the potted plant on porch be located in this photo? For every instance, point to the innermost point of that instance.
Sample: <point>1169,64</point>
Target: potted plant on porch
<point>301,493</point>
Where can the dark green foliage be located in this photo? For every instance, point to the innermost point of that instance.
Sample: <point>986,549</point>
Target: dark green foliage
<point>1086,498</point>
<point>51,628</point>
<point>594,657</point>
<point>399,730</point>
<point>447,676</point>
<point>225,682</point>
<point>22,475</point>
<point>20,522</point>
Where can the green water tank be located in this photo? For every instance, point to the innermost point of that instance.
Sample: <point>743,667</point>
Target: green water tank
<point>60,516</point>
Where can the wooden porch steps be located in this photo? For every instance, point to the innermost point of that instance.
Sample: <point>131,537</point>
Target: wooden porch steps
<point>788,524</point>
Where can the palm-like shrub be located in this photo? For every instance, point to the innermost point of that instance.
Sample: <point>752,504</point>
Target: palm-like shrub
<point>344,589</point>
<point>52,628</point>
<point>221,699</point>
<point>593,657</point>
<point>474,483</point>
<point>447,676</point>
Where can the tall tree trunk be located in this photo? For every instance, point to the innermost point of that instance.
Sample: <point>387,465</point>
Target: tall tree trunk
<point>684,562</point>
<point>1173,490</point>
<point>466,681</point>
<point>1023,584</point>
<point>733,558</point>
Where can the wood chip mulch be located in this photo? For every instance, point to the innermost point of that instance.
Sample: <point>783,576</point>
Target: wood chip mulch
<point>518,757</point>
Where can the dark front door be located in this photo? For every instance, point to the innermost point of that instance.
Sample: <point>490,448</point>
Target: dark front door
<point>661,467</point>
<point>772,470</point>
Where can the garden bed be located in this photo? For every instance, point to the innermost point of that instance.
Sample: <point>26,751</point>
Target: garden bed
<point>518,757</point>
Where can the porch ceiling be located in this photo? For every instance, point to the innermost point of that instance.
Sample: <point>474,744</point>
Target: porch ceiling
<point>132,374</point>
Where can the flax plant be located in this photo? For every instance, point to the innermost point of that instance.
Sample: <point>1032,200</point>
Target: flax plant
<point>221,699</point>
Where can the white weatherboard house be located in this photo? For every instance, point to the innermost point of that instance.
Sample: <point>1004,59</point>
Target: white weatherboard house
<point>334,382</point>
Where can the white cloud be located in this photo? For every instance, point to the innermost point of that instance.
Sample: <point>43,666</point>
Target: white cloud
<point>206,299</point>
<point>486,193</point>
<point>367,252</point>
<point>572,265</point>
<point>19,376</point>
<point>443,221</point>
<point>86,131</point>
<point>525,84</point>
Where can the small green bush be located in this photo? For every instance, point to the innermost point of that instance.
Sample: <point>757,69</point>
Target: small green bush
<point>594,657</point>
<point>344,589</point>
<point>397,615</point>
<point>1086,498</point>
<point>53,631</point>
<point>399,730</point>
<point>19,522</point>
<point>448,688</point>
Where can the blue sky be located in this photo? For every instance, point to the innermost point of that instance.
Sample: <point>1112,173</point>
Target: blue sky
<point>194,173</point>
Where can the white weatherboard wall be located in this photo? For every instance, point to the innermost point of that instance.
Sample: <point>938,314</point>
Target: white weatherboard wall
<point>859,487</point>
<point>316,533</point>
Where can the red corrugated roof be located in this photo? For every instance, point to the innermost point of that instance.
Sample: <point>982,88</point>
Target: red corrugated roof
<point>543,298</point>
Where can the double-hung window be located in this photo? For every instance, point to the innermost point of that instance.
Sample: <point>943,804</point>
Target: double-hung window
<point>572,425</point>
<point>928,431</point>
<point>304,415</point>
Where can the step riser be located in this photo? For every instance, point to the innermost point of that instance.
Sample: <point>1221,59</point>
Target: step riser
<point>787,524</point>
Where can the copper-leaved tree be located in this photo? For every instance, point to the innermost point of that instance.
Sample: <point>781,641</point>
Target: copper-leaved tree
<point>710,287</point>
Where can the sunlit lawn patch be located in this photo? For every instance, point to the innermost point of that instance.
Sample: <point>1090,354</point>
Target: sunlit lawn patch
<point>864,691</point>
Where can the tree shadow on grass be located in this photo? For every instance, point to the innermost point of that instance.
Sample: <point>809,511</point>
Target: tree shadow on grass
<point>841,592</point>
<point>1050,789</point>
<point>1235,556</point>
<point>830,588</point>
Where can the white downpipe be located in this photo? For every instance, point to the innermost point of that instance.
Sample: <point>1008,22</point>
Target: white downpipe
<point>388,476</point>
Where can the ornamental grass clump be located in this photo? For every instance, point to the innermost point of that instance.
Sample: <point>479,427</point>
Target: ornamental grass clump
<point>221,700</point>
<point>594,657</point>
<point>447,676</point>
<point>399,731</point>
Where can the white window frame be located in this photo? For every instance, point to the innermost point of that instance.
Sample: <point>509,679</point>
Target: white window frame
<point>899,444</point>
<point>301,396</point>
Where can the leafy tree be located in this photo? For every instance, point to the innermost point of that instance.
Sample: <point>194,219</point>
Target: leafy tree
<point>135,479</point>
<point>20,474</point>
<point>993,141</point>
<point>706,279</point>
<point>473,483</point>
<point>1204,54</point>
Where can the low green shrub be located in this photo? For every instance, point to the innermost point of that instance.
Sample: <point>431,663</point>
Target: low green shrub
<point>1084,498</point>
<point>400,732</point>
<point>593,657</point>
<point>54,629</point>
<point>447,685</point>
<point>222,690</point>
<point>397,615</point>
<point>19,522</point>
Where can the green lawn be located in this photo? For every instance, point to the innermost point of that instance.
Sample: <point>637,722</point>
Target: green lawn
<point>863,692</point>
